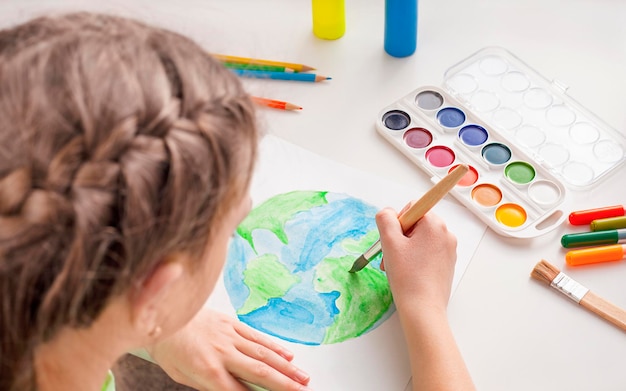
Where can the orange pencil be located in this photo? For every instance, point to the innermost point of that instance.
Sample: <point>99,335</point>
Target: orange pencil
<point>275,104</point>
<point>244,60</point>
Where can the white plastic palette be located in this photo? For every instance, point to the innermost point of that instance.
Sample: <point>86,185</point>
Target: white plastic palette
<point>525,140</point>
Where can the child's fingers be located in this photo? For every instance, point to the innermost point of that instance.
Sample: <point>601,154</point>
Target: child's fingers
<point>263,350</point>
<point>264,367</point>
<point>252,335</point>
<point>388,223</point>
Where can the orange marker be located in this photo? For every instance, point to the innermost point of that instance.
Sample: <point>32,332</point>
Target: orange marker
<point>614,252</point>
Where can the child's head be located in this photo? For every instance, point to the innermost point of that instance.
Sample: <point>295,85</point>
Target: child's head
<point>120,145</point>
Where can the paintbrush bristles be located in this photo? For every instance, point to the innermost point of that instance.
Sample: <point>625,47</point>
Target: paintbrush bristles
<point>545,271</point>
<point>359,264</point>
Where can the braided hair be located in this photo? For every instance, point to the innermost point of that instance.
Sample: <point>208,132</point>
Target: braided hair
<point>120,143</point>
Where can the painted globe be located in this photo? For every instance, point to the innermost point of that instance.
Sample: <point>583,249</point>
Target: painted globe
<point>287,269</point>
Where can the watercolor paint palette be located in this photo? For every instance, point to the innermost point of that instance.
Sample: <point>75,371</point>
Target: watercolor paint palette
<point>527,143</point>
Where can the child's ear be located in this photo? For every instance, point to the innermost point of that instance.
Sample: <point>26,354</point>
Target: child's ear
<point>146,298</point>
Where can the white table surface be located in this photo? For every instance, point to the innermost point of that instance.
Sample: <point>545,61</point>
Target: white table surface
<point>515,333</point>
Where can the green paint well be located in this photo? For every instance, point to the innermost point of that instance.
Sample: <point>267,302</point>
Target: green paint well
<point>520,172</point>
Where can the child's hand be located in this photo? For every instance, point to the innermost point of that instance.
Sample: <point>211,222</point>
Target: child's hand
<point>420,267</point>
<point>215,352</point>
<point>419,263</point>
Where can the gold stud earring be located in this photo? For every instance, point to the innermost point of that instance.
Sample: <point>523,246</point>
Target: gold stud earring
<point>155,332</point>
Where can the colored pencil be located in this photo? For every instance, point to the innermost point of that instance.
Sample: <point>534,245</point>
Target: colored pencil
<point>275,104</point>
<point>416,211</point>
<point>245,60</point>
<point>550,274</point>
<point>256,67</point>
<point>306,77</point>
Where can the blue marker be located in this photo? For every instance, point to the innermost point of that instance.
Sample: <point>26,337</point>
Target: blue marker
<point>400,27</point>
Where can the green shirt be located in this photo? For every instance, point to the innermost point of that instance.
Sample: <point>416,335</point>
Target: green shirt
<point>109,383</point>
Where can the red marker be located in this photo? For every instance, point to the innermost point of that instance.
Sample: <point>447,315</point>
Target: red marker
<point>583,217</point>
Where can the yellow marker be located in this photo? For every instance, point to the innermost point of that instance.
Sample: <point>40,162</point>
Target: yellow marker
<point>329,18</point>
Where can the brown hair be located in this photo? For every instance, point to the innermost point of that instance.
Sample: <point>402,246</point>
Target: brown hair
<point>120,143</point>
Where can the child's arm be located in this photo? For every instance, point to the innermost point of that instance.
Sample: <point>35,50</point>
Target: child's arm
<point>420,267</point>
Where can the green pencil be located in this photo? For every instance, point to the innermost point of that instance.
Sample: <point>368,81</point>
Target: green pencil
<point>257,67</point>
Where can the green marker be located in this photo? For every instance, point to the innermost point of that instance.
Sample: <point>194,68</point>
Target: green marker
<point>593,238</point>
<point>608,223</point>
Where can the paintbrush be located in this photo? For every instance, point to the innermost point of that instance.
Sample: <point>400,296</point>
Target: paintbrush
<point>416,211</point>
<point>550,274</point>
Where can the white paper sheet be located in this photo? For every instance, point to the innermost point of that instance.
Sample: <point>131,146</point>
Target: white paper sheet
<point>377,360</point>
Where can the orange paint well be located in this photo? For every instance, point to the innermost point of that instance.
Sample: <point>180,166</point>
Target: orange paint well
<point>487,194</point>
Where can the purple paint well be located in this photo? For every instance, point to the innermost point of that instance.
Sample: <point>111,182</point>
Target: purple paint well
<point>473,135</point>
<point>418,138</point>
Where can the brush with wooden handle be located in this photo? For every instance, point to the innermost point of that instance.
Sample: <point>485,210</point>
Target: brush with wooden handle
<point>550,274</point>
<point>416,211</point>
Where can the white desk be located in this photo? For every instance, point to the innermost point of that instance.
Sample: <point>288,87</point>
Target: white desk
<point>515,333</point>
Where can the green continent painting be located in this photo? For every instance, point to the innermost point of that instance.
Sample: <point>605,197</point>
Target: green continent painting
<point>287,269</point>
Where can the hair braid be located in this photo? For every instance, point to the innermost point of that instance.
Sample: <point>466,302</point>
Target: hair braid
<point>121,143</point>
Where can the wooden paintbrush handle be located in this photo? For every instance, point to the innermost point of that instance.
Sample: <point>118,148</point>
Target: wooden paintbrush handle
<point>604,309</point>
<point>432,197</point>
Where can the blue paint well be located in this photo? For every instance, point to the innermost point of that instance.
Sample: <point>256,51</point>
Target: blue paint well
<point>473,135</point>
<point>496,153</point>
<point>451,117</point>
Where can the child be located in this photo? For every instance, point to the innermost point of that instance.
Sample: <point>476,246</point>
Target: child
<point>125,160</point>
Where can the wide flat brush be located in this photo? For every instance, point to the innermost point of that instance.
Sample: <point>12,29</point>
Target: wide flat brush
<point>550,274</point>
<point>416,211</point>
